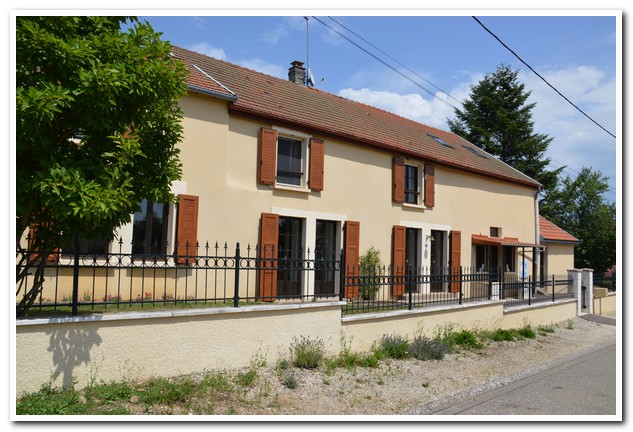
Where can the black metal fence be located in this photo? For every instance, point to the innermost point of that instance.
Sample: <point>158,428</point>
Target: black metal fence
<point>603,281</point>
<point>216,275</point>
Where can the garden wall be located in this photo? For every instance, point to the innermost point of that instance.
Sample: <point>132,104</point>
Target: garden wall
<point>134,345</point>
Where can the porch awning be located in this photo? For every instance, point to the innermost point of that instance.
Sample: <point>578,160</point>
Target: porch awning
<point>478,239</point>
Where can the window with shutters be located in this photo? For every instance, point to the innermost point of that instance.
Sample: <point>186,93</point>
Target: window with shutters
<point>290,160</point>
<point>413,183</point>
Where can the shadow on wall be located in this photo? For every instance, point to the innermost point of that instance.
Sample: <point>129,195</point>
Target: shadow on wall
<point>71,348</point>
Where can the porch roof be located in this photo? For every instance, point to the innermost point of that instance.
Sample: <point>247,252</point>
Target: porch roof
<point>501,241</point>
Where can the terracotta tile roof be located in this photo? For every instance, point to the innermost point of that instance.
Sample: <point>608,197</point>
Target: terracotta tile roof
<point>282,101</point>
<point>551,233</point>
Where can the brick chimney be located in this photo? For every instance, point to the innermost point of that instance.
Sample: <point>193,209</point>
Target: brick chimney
<point>297,73</point>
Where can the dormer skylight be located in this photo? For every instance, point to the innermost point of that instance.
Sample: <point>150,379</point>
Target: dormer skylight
<point>474,151</point>
<point>441,141</point>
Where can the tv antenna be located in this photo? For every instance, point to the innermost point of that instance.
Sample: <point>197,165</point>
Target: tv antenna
<point>309,79</point>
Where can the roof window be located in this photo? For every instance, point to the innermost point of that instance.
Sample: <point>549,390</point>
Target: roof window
<point>475,152</point>
<point>441,141</point>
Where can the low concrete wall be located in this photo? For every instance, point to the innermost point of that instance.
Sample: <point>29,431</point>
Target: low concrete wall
<point>140,345</point>
<point>129,346</point>
<point>604,304</point>
<point>540,314</point>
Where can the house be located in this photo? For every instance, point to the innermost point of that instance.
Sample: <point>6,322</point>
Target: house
<point>292,173</point>
<point>290,168</point>
<point>558,256</point>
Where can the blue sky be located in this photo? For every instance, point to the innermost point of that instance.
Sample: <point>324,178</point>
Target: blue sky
<point>445,54</point>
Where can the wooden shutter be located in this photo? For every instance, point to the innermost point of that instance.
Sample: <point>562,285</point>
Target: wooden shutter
<point>398,180</point>
<point>187,228</point>
<point>35,251</point>
<point>398,259</point>
<point>429,185</point>
<point>267,156</point>
<point>268,239</point>
<point>317,154</point>
<point>352,255</point>
<point>456,258</point>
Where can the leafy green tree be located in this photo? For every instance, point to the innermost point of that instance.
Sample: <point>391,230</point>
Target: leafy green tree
<point>578,206</point>
<point>497,118</point>
<point>97,121</point>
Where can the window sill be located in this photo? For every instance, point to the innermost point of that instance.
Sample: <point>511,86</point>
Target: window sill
<point>414,206</point>
<point>291,188</point>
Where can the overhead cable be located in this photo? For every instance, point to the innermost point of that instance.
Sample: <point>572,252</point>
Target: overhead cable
<point>544,80</point>
<point>385,63</point>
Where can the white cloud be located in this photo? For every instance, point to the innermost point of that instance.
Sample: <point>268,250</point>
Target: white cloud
<point>412,106</point>
<point>263,67</point>
<point>206,49</point>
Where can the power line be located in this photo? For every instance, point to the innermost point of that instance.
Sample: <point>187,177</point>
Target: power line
<point>544,80</point>
<point>385,63</point>
<point>404,66</point>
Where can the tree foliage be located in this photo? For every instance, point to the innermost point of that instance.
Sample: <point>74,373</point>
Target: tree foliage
<point>579,207</point>
<point>97,122</point>
<point>497,118</point>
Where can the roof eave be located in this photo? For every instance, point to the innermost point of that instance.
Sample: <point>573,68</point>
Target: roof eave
<point>212,93</point>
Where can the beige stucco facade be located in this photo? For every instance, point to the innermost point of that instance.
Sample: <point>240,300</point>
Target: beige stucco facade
<point>220,166</point>
<point>559,258</point>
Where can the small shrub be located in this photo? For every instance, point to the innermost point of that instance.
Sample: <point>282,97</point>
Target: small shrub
<point>247,379</point>
<point>218,381</point>
<point>570,324</point>
<point>395,346</point>
<point>369,270</point>
<point>501,335</point>
<point>167,391</point>
<point>369,360</point>
<point>423,348</point>
<point>290,381</point>
<point>464,339</point>
<point>545,329</point>
<point>307,353</point>
<point>526,332</point>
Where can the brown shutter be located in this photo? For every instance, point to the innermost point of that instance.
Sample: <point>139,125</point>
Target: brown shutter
<point>187,228</point>
<point>352,255</point>
<point>456,258</point>
<point>398,257</point>
<point>317,153</point>
<point>267,156</point>
<point>35,251</point>
<point>429,185</point>
<point>268,238</point>
<point>398,180</point>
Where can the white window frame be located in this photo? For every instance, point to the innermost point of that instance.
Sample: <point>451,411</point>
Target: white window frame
<point>420,166</point>
<point>305,155</point>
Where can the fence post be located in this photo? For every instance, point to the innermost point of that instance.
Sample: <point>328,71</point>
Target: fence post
<point>529,289</point>
<point>461,284</point>
<point>74,308</point>
<point>410,287</point>
<point>553,289</point>
<point>341,275</point>
<point>236,292</point>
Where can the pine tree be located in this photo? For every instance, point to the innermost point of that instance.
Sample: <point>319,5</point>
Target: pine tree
<point>497,118</point>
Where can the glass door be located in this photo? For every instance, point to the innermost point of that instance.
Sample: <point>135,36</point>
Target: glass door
<point>290,255</point>
<point>324,255</point>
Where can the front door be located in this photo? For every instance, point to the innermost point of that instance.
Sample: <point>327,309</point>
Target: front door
<point>324,255</point>
<point>290,254</point>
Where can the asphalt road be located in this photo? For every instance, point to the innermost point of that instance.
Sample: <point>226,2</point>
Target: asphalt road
<point>579,384</point>
<point>585,385</point>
